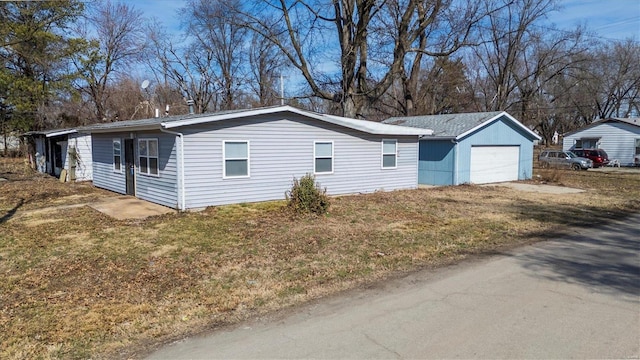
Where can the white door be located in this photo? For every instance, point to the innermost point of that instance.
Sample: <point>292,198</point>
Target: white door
<point>491,164</point>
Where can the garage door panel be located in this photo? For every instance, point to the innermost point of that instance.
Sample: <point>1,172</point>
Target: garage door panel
<point>494,164</point>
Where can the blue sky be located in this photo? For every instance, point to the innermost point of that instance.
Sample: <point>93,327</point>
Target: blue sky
<point>604,19</point>
<point>610,19</point>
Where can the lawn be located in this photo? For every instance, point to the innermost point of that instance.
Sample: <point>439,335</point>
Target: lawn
<point>78,284</point>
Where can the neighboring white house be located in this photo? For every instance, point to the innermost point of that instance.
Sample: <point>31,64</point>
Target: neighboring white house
<point>199,160</point>
<point>54,150</point>
<point>619,137</point>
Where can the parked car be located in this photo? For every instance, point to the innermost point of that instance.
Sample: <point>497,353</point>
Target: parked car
<point>598,156</point>
<point>563,159</point>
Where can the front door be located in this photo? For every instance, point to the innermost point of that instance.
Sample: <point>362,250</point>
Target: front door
<point>130,166</point>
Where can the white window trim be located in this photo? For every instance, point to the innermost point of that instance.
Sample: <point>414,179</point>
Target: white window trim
<point>113,155</point>
<point>148,157</point>
<point>224,159</point>
<point>332,156</point>
<point>382,154</point>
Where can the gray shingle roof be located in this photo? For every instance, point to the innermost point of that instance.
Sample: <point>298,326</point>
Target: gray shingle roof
<point>630,121</point>
<point>194,119</point>
<point>152,122</point>
<point>448,125</point>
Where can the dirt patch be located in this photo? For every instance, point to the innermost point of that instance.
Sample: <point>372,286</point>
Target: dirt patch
<point>128,208</point>
<point>539,188</point>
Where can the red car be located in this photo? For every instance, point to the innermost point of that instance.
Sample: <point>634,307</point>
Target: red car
<point>598,156</point>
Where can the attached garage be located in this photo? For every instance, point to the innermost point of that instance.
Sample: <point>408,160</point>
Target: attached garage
<point>475,148</point>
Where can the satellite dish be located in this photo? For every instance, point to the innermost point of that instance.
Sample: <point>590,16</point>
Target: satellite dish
<point>145,84</point>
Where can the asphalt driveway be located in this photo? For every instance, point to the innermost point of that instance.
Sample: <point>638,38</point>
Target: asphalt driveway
<point>574,297</point>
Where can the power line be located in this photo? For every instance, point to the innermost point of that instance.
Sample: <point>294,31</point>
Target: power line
<point>587,34</point>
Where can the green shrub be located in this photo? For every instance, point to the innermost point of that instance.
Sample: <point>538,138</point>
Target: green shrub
<point>306,196</point>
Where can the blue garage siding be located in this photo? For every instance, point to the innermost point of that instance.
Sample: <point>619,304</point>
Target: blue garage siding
<point>499,133</point>
<point>281,149</point>
<point>443,163</point>
<point>436,162</point>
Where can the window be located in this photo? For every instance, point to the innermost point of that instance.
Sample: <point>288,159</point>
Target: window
<point>323,157</point>
<point>637,147</point>
<point>148,156</point>
<point>389,154</point>
<point>117,155</point>
<point>587,143</point>
<point>236,159</point>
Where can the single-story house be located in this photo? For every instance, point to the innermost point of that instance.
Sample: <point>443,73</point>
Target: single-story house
<point>52,151</point>
<point>478,148</point>
<point>199,160</point>
<point>619,137</point>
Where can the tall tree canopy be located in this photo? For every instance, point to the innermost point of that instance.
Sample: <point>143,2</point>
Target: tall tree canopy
<point>370,42</point>
<point>67,64</point>
<point>35,53</point>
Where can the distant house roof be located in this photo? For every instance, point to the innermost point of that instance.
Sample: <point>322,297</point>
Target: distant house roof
<point>456,126</point>
<point>631,121</point>
<point>169,122</point>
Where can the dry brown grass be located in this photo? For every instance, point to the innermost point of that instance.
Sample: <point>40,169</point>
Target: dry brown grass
<point>78,284</point>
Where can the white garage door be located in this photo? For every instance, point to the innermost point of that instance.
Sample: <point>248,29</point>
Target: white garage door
<point>491,164</point>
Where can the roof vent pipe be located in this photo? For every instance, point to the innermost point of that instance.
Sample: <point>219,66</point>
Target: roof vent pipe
<point>190,102</point>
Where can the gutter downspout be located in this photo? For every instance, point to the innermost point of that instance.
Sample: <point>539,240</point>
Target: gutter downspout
<point>455,162</point>
<point>181,187</point>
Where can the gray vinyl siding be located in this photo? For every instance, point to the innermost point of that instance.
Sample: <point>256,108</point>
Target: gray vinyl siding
<point>160,189</point>
<point>103,174</point>
<point>617,139</point>
<point>281,149</point>
<point>163,188</point>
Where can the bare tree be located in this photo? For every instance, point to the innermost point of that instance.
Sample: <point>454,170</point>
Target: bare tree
<point>208,64</point>
<point>524,67</point>
<point>216,33</point>
<point>615,79</point>
<point>550,57</point>
<point>368,56</point>
<point>118,45</point>
<point>445,27</point>
<point>444,89</point>
<point>188,68</point>
<point>266,63</point>
<point>506,38</point>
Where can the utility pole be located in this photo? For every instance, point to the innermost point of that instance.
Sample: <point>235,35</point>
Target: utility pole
<point>281,90</point>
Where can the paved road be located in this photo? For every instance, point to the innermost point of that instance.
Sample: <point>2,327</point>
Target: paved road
<point>575,297</point>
